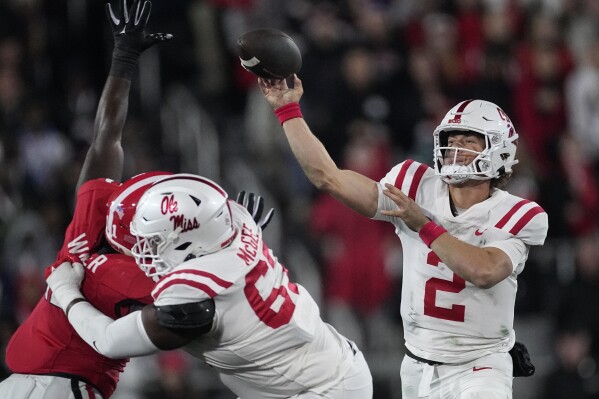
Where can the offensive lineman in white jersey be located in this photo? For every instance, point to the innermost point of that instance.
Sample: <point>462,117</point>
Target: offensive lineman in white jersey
<point>224,297</point>
<point>465,241</point>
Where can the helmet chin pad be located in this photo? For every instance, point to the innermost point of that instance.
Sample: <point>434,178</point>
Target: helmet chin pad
<point>455,174</point>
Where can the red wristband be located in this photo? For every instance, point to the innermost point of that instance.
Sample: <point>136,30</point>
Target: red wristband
<point>430,232</point>
<point>288,111</point>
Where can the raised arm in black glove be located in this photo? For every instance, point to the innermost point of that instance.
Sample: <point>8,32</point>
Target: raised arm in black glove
<point>255,206</point>
<point>130,37</point>
<point>105,156</point>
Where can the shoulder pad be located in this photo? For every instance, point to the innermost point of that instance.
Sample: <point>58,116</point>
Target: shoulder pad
<point>187,315</point>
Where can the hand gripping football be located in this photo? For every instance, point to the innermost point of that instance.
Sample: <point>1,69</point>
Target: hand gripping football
<point>269,53</point>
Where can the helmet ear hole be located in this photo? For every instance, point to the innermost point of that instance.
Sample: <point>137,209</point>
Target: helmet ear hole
<point>478,166</point>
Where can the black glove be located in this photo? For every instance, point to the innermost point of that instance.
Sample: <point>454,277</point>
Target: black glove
<point>523,367</point>
<point>255,206</point>
<point>130,37</point>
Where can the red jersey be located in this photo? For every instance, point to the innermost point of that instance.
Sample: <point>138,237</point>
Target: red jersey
<point>46,343</point>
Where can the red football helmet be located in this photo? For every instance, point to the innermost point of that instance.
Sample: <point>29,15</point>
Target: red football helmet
<point>121,208</point>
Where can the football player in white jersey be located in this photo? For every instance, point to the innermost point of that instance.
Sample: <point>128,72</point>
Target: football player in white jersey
<point>465,241</point>
<point>224,297</point>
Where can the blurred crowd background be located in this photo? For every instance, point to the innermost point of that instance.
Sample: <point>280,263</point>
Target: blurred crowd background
<point>378,77</point>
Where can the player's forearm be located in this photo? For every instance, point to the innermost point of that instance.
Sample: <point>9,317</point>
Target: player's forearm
<point>112,110</point>
<point>311,154</point>
<point>115,339</point>
<point>474,264</point>
<point>105,155</point>
<point>354,190</point>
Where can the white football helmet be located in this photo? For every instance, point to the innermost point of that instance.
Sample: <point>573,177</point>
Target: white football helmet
<point>180,217</point>
<point>488,120</point>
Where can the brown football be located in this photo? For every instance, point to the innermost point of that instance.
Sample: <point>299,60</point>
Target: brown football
<point>269,53</point>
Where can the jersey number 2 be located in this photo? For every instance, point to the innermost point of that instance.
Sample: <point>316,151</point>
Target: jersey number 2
<point>271,302</point>
<point>456,312</point>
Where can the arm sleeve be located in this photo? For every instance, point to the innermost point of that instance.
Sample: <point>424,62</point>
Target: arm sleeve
<point>115,339</point>
<point>385,204</point>
<point>515,249</point>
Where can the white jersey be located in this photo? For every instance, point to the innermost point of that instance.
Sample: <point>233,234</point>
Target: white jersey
<point>267,339</point>
<point>446,318</point>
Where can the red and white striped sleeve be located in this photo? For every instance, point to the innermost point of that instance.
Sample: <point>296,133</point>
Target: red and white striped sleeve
<point>525,220</point>
<point>188,285</point>
<point>407,176</point>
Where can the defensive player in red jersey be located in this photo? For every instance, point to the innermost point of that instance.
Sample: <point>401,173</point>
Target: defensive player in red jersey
<point>465,241</point>
<point>46,355</point>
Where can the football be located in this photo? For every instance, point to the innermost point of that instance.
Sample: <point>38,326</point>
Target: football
<point>269,53</point>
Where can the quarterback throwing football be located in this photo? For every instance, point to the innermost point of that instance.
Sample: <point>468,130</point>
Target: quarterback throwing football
<point>465,241</point>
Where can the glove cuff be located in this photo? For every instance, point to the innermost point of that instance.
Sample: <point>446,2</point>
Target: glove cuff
<point>124,62</point>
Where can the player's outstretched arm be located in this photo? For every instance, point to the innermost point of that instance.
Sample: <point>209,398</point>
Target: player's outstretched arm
<point>139,333</point>
<point>353,189</point>
<point>105,155</point>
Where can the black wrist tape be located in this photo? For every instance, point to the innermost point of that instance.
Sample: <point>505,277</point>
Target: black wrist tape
<point>73,302</point>
<point>124,62</point>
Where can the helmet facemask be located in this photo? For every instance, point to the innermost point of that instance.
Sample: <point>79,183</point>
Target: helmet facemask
<point>147,254</point>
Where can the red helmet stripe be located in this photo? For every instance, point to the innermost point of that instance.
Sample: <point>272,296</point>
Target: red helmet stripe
<point>463,105</point>
<point>458,113</point>
<point>197,178</point>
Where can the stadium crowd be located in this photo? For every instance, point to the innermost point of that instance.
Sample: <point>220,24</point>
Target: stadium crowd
<point>379,76</point>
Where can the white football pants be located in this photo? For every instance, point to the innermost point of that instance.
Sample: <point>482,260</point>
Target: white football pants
<point>29,386</point>
<point>489,377</point>
<point>357,383</point>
